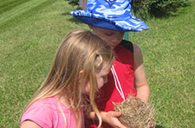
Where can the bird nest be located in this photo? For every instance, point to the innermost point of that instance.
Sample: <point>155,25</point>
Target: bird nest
<point>135,113</point>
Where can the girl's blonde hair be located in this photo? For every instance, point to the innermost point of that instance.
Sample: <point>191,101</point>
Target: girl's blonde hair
<point>81,50</point>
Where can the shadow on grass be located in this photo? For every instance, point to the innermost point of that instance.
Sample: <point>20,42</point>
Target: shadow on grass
<point>174,12</point>
<point>24,16</point>
<point>10,4</point>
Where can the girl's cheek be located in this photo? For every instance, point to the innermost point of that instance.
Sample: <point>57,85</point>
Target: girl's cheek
<point>102,84</point>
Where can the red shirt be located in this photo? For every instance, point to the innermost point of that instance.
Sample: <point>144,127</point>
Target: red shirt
<point>123,65</point>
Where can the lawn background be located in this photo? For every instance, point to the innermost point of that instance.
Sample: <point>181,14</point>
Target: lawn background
<point>31,30</point>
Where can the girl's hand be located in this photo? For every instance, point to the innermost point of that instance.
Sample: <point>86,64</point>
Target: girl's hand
<point>111,118</point>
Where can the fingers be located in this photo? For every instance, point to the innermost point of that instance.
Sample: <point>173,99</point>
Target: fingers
<point>116,114</point>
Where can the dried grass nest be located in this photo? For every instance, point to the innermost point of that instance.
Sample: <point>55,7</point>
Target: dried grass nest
<point>135,113</point>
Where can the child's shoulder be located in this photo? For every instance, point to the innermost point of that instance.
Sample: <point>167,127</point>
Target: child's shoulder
<point>45,102</point>
<point>127,44</point>
<point>43,112</point>
<point>43,105</point>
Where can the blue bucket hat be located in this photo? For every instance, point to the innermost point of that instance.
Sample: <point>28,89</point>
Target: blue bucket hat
<point>110,14</point>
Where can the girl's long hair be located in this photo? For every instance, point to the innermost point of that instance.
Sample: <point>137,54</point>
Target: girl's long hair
<point>81,50</point>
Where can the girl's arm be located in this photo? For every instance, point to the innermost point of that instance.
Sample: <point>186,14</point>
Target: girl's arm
<point>29,124</point>
<point>141,83</point>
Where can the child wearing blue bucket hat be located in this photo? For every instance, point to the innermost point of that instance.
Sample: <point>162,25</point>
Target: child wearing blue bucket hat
<point>110,19</point>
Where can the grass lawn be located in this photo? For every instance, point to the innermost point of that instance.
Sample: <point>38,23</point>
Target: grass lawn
<point>30,31</point>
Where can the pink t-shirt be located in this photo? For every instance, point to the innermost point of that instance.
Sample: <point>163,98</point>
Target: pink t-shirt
<point>46,113</point>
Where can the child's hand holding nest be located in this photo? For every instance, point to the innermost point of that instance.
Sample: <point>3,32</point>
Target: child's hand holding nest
<point>112,118</point>
<point>135,113</point>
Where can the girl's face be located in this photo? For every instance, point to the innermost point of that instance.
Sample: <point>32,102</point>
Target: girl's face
<point>101,77</point>
<point>111,37</point>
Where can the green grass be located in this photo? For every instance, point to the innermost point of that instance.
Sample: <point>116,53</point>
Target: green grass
<point>31,30</point>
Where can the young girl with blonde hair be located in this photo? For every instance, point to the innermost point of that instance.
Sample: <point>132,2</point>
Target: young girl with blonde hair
<point>80,68</point>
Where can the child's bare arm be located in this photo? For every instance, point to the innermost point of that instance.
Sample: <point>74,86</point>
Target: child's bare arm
<point>29,124</point>
<point>141,83</point>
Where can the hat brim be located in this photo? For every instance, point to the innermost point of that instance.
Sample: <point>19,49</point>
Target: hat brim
<point>130,23</point>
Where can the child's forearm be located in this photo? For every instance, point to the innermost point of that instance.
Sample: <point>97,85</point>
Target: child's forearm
<point>143,92</point>
<point>92,115</point>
